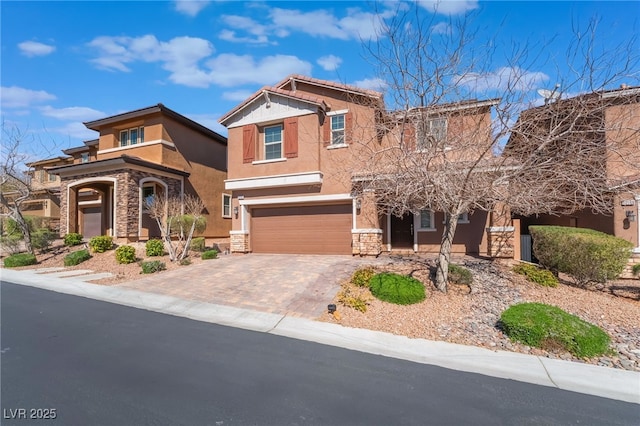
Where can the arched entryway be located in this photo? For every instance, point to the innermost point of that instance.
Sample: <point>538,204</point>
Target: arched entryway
<point>90,207</point>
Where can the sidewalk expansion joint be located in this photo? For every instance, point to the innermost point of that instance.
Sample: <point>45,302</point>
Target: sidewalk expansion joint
<point>277,324</point>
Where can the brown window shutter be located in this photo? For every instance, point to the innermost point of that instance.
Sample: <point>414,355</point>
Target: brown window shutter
<point>248,143</point>
<point>326,131</point>
<point>409,136</point>
<point>291,137</point>
<point>348,127</point>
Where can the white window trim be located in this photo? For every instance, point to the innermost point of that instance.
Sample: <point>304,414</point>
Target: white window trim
<point>223,204</point>
<point>337,146</point>
<point>264,142</point>
<point>139,130</point>
<point>418,225</point>
<point>464,220</point>
<point>121,148</point>
<point>274,160</point>
<point>343,129</point>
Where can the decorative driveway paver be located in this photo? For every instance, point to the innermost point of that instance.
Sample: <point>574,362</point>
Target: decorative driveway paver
<point>297,285</point>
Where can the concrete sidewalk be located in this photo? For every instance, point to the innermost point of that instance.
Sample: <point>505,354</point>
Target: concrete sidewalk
<point>583,378</point>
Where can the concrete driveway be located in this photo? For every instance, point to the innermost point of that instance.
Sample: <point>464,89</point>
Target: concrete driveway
<point>295,285</point>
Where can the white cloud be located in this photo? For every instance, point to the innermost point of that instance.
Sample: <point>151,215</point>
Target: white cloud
<point>72,113</point>
<point>329,62</point>
<point>505,78</point>
<point>237,95</point>
<point>449,7</point>
<point>18,97</point>
<point>191,7</point>
<point>376,84</point>
<point>229,69</point>
<point>228,35</point>
<point>33,48</point>
<point>441,28</point>
<point>257,31</point>
<point>75,130</point>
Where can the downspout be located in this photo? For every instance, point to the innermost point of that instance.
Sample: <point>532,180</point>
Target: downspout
<point>637,198</point>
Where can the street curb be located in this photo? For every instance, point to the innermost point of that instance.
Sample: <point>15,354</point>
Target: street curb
<point>567,375</point>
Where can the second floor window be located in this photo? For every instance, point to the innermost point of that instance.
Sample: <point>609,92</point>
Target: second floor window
<point>84,157</point>
<point>132,136</point>
<point>337,129</point>
<point>52,177</point>
<point>273,142</point>
<point>431,133</point>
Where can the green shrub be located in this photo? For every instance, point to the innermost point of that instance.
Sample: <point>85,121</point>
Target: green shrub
<point>398,289</point>
<point>545,326</point>
<point>584,254</point>
<point>125,254</point>
<point>636,270</point>
<point>72,239</point>
<point>537,275</point>
<point>41,239</point>
<point>210,254</point>
<point>198,244</point>
<point>185,262</point>
<point>76,257</point>
<point>362,277</point>
<point>459,275</point>
<point>354,301</point>
<point>154,248</point>
<point>12,228</point>
<point>152,266</point>
<point>101,244</point>
<point>11,243</point>
<point>20,259</point>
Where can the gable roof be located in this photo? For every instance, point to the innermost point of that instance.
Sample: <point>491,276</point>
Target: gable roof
<point>78,149</point>
<point>138,113</point>
<point>292,79</point>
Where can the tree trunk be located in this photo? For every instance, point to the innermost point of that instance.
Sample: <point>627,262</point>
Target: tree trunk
<point>24,228</point>
<point>444,256</point>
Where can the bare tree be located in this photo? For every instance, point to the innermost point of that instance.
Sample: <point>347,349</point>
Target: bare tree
<point>178,218</point>
<point>444,150</point>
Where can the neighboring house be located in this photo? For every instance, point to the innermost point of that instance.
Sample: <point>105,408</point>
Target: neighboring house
<point>611,119</point>
<point>291,154</point>
<point>152,151</point>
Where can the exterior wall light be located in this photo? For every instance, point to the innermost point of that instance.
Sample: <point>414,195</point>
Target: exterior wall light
<point>235,211</point>
<point>358,204</point>
<point>630,215</point>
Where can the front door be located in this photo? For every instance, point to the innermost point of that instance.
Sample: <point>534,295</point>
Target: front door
<point>402,231</point>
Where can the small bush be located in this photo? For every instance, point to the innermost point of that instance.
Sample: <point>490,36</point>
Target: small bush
<point>536,275</point>
<point>185,262</point>
<point>101,244</point>
<point>11,243</point>
<point>20,259</point>
<point>76,258</point>
<point>152,266</point>
<point>353,300</point>
<point>398,289</point>
<point>361,277</point>
<point>584,254</point>
<point>154,248</point>
<point>636,270</point>
<point>210,254</point>
<point>459,275</point>
<point>72,239</point>
<point>198,244</point>
<point>125,254</point>
<point>544,326</point>
<point>41,239</point>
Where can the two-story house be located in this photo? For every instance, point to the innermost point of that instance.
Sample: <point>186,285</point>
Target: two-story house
<point>152,151</point>
<point>293,148</point>
<point>609,122</point>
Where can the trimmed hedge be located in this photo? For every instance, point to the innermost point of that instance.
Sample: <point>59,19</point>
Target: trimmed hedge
<point>547,327</point>
<point>20,259</point>
<point>398,289</point>
<point>154,248</point>
<point>125,254</point>
<point>459,275</point>
<point>76,257</point>
<point>72,239</point>
<point>209,254</point>
<point>536,275</point>
<point>101,243</point>
<point>584,254</point>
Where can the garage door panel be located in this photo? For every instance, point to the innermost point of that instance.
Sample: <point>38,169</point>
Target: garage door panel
<point>302,229</point>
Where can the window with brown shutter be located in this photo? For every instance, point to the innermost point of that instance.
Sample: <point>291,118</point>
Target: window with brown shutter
<point>248,143</point>
<point>291,137</point>
<point>337,129</point>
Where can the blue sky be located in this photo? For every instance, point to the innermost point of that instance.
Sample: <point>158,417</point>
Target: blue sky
<point>63,63</point>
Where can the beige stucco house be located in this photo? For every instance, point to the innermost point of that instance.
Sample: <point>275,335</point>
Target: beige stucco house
<point>291,169</point>
<point>151,151</point>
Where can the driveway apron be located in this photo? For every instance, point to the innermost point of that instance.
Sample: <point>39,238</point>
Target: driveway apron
<point>295,285</point>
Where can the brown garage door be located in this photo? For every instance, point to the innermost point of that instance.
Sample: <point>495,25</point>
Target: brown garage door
<point>302,229</point>
<point>91,221</point>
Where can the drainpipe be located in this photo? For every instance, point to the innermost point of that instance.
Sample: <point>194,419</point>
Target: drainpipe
<point>637,198</point>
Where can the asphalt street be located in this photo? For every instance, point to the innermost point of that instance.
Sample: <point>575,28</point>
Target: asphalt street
<point>97,363</point>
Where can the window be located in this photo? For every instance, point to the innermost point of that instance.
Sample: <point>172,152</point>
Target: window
<point>52,177</point>
<point>226,205</point>
<point>431,133</point>
<point>426,219</point>
<point>273,142</point>
<point>84,157</point>
<point>132,136</point>
<point>148,192</point>
<point>337,129</point>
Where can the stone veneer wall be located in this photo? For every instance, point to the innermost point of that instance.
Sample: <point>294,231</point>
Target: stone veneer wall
<point>127,198</point>
<point>239,242</point>
<point>628,270</point>
<point>366,242</point>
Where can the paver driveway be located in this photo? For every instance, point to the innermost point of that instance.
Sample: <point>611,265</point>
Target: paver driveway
<point>298,285</point>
